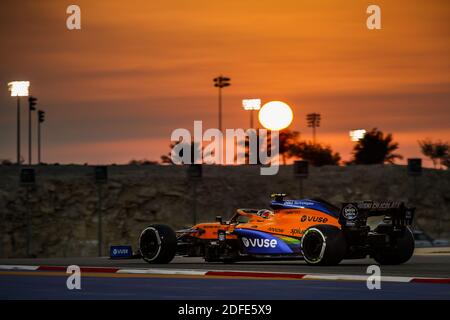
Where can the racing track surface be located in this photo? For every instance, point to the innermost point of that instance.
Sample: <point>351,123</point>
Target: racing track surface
<point>173,288</point>
<point>423,265</point>
<point>52,285</point>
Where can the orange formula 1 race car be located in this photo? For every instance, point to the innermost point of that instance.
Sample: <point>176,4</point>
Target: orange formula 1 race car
<point>309,229</point>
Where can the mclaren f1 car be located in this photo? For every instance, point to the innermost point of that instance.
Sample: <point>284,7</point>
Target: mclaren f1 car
<point>309,229</point>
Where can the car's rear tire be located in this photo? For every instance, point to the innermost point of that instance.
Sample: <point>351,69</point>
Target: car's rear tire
<point>323,245</point>
<point>399,253</point>
<point>158,244</point>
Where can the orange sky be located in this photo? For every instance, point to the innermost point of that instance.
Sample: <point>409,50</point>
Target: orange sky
<point>137,70</point>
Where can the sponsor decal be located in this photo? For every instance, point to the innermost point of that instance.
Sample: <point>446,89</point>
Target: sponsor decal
<point>259,243</point>
<point>382,205</point>
<point>120,252</point>
<point>277,230</point>
<point>305,218</point>
<point>350,212</point>
<point>298,203</point>
<point>297,231</point>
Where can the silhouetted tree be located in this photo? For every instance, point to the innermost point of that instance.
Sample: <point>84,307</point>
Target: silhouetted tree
<point>288,142</point>
<point>168,159</point>
<point>446,162</point>
<point>6,162</point>
<point>436,151</point>
<point>316,153</point>
<point>143,162</point>
<point>375,148</point>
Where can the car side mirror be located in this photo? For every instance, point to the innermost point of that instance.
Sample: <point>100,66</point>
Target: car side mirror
<point>219,219</point>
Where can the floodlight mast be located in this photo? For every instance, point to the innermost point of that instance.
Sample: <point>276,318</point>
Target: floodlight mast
<point>357,134</point>
<point>32,101</point>
<point>41,119</point>
<point>18,89</point>
<point>313,120</point>
<point>251,105</point>
<point>221,82</point>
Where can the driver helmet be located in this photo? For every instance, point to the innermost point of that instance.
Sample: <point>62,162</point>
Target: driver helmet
<point>264,213</point>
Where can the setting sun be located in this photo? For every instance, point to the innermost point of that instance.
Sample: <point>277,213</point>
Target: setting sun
<point>275,115</point>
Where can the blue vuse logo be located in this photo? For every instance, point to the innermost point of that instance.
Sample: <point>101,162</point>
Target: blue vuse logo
<point>120,252</point>
<point>259,243</point>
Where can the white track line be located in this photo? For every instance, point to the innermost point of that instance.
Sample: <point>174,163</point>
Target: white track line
<point>163,271</point>
<point>14,267</point>
<point>343,277</point>
<point>348,277</point>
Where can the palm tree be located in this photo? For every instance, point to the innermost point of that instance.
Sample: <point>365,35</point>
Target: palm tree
<point>438,150</point>
<point>167,158</point>
<point>375,148</point>
<point>287,140</point>
<point>316,154</point>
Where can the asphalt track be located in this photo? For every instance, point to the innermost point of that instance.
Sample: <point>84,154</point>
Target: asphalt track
<point>173,288</point>
<point>430,264</point>
<point>52,285</point>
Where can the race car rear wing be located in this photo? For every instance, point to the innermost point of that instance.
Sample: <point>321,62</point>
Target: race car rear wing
<point>356,213</point>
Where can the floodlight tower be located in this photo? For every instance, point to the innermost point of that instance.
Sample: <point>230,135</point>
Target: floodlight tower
<point>41,119</point>
<point>357,134</point>
<point>251,105</point>
<point>221,82</point>
<point>313,120</point>
<point>32,101</point>
<point>18,89</point>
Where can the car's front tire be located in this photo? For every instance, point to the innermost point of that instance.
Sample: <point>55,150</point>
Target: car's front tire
<point>158,244</point>
<point>323,245</point>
